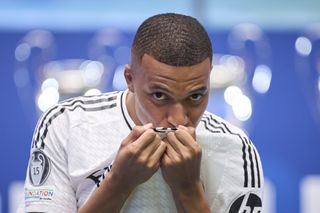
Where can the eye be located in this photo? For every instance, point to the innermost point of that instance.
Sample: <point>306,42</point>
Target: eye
<point>196,97</point>
<point>159,96</point>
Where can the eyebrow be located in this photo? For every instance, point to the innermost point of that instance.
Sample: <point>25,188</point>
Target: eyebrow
<point>160,87</point>
<point>202,90</point>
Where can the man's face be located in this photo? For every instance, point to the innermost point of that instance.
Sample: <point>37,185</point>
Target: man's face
<point>165,95</point>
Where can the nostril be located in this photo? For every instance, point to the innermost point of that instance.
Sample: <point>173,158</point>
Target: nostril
<point>176,121</point>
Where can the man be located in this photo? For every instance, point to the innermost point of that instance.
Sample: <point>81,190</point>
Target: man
<point>102,154</point>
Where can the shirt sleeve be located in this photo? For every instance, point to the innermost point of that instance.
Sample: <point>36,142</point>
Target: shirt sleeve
<point>232,174</point>
<point>47,185</point>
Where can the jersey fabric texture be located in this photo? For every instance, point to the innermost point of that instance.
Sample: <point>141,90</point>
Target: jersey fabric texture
<point>75,143</point>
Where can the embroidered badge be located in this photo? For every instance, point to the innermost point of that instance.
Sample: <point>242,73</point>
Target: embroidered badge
<point>39,167</point>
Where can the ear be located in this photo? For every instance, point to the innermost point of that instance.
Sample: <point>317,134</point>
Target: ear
<point>128,75</point>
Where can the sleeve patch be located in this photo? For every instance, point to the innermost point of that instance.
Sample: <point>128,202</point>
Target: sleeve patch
<point>38,194</point>
<point>249,202</point>
<point>39,167</point>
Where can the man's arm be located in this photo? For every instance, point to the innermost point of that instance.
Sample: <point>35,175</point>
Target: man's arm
<point>137,160</point>
<point>109,197</point>
<point>181,170</point>
<point>191,199</point>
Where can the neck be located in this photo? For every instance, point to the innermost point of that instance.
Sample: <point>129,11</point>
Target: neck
<point>131,108</point>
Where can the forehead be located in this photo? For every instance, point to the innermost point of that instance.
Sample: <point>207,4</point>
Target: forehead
<point>180,82</point>
<point>153,70</point>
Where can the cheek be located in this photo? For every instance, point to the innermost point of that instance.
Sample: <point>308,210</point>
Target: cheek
<point>148,112</point>
<point>196,113</point>
<point>195,116</point>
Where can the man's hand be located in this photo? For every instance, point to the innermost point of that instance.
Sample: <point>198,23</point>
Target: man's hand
<point>138,158</point>
<point>181,170</point>
<point>181,161</point>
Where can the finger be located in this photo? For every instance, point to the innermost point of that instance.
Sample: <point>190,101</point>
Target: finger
<point>165,159</point>
<point>169,156</point>
<point>185,137</point>
<point>149,137</point>
<point>171,152</point>
<point>175,143</point>
<point>191,130</point>
<point>148,148</point>
<point>159,152</point>
<point>136,132</point>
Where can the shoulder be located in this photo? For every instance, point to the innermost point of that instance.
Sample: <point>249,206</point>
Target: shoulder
<point>70,112</point>
<point>232,162</point>
<point>90,103</point>
<point>82,104</point>
<point>211,124</point>
<point>228,141</point>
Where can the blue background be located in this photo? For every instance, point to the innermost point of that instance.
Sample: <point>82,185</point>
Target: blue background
<point>282,126</point>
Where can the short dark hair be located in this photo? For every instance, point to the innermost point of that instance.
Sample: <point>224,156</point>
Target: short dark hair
<point>173,39</point>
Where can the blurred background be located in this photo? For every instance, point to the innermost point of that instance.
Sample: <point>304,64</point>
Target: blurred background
<point>266,78</point>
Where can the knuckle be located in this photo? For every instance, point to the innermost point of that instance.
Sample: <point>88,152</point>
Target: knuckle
<point>141,161</point>
<point>163,145</point>
<point>151,166</point>
<point>197,148</point>
<point>132,151</point>
<point>192,131</point>
<point>157,137</point>
<point>177,160</point>
<point>188,157</point>
<point>149,134</point>
<point>135,130</point>
<point>178,132</point>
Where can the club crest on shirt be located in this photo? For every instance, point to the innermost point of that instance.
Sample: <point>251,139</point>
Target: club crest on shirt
<point>39,167</point>
<point>247,203</point>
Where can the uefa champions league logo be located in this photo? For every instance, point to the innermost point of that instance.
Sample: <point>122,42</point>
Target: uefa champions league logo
<point>39,168</point>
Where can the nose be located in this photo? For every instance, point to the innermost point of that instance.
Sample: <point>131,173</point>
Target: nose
<point>177,115</point>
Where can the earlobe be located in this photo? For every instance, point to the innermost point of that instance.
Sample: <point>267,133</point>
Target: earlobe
<point>128,75</point>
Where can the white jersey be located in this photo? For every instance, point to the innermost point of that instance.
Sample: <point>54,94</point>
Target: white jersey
<point>76,141</point>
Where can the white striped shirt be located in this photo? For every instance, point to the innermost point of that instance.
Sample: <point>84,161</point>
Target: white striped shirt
<point>75,142</point>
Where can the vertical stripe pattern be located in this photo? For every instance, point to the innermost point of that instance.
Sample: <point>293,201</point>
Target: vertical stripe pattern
<point>251,167</point>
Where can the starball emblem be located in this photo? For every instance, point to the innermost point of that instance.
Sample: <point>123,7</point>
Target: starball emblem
<point>39,167</point>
